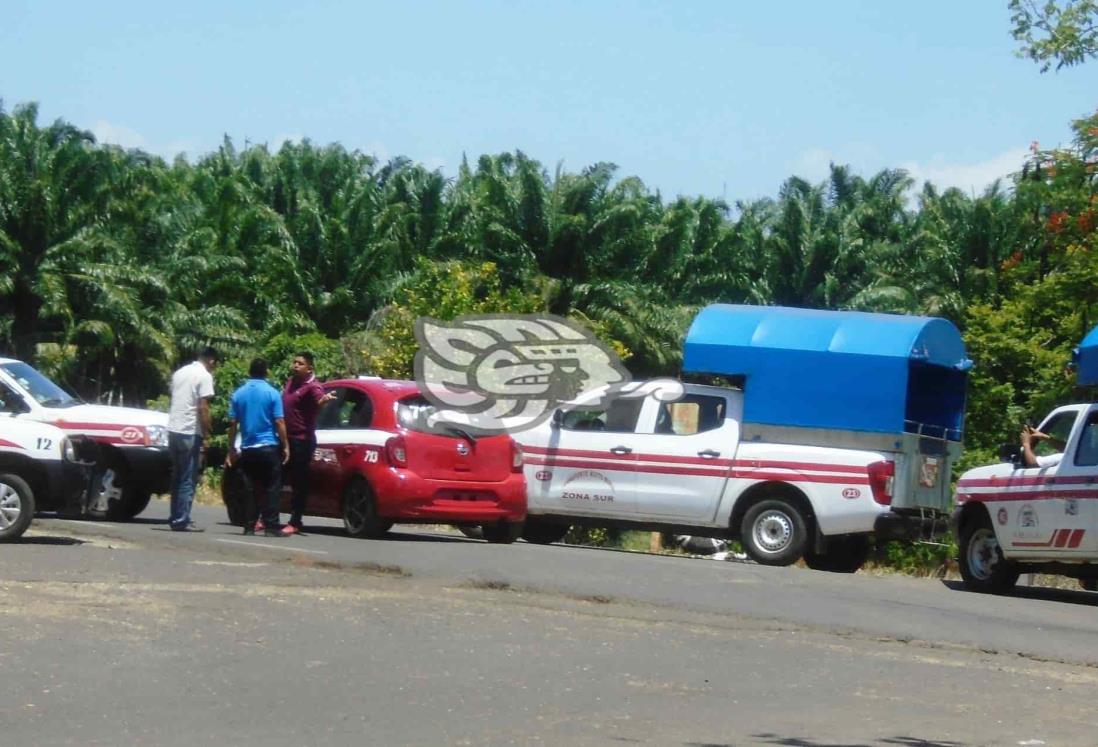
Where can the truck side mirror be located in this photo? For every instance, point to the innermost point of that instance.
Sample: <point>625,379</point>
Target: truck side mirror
<point>1011,453</point>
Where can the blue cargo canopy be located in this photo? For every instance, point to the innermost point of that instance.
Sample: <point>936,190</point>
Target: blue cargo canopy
<point>1086,359</point>
<point>844,370</point>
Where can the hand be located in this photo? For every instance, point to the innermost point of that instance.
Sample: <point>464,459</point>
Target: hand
<point>326,398</point>
<point>230,458</point>
<point>285,453</point>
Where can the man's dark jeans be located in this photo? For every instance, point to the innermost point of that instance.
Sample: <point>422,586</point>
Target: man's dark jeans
<point>186,452</point>
<point>301,456</point>
<point>261,468</point>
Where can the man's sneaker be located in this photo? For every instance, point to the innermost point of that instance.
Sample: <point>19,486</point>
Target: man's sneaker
<point>249,531</point>
<point>188,527</point>
<point>289,530</point>
<point>274,532</point>
<point>259,526</point>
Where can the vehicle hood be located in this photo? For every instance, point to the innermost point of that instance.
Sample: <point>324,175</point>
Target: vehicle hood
<point>92,415</point>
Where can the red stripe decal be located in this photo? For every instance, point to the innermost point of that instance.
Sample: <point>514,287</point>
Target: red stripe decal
<point>670,470</point>
<point>1032,495</point>
<point>665,458</point>
<point>1060,537</point>
<point>1076,537</point>
<point>8,444</point>
<point>1015,482</point>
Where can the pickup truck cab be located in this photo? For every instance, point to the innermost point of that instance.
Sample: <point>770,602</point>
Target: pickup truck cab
<point>40,470</point>
<point>845,425</point>
<point>128,445</point>
<point>1012,518</point>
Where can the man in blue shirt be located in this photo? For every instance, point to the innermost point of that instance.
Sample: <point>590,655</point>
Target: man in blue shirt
<point>256,412</point>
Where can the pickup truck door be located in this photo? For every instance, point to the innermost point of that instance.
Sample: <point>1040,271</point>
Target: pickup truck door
<point>1074,519</point>
<point>1043,509</point>
<point>583,462</point>
<point>684,458</point>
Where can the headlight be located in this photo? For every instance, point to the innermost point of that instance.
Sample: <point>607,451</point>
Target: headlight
<point>158,435</point>
<point>68,451</point>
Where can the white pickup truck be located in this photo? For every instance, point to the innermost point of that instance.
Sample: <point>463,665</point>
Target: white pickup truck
<point>128,445</point>
<point>39,470</point>
<point>846,425</point>
<point>1012,518</point>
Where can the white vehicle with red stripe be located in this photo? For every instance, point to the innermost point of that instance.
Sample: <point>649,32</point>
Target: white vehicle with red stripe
<point>39,471</point>
<point>1012,518</point>
<point>843,425</point>
<point>130,445</point>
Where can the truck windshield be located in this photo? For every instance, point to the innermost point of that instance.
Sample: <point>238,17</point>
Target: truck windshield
<point>44,391</point>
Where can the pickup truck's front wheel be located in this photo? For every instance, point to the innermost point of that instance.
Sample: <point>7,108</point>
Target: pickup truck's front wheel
<point>774,532</point>
<point>16,507</point>
<point>983,567</point>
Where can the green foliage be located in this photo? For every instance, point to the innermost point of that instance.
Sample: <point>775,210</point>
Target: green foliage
<point>1052,32</point>
<point>916,558</point>
<point>442,290</point>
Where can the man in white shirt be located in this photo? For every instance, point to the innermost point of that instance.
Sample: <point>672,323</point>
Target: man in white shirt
<point>188,426</point>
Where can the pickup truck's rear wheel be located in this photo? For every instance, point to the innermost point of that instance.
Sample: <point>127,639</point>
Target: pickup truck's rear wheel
<point>774,532</point>
<point>16,507</point>
<point>543,532</point>
<point>113,498</point>
<point>843,555</point>
<point>502,532</point>
<point>983,567</point>
<point>360,517</point>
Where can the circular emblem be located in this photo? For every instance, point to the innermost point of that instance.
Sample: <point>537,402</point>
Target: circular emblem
<point>1002,516</point>
<point>463,448</point>
<point>543,475</point>
<point>851,493</point>
<point>132,434</point>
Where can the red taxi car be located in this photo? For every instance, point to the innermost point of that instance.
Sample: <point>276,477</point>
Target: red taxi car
<point>378,462</point>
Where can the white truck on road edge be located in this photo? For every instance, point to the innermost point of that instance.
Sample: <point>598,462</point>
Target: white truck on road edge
<point>846,425</point>
<point>128,445</point>
<point>39,471</point>
<point>1012,519</point>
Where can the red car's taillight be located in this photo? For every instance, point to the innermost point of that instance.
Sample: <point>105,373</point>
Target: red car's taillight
<point>880,481</point>
<point>516,457</point>
<point>396,451</point>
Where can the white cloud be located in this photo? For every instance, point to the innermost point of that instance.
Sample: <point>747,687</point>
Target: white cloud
<point>106,132</point>
<point>972,178</point>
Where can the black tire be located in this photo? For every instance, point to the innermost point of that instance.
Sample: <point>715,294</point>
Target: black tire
<point>983,567</point>
<point>232,495</point>
<point>774,532</point>
<point>543,532</point>
<point>843,555</point>
<point>113,498</point>
<point>16,507</point>
<point>134,502</point>
<point>1088,584</point>
<point>503,532</point>
<point>360,517</point>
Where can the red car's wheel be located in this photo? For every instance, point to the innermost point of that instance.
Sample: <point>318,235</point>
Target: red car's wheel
<point>360,511</point>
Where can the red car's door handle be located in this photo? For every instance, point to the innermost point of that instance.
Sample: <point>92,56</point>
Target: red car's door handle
<point>621,450</point>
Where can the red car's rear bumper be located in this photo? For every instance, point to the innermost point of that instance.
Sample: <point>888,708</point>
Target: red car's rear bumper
<point>405,496</point>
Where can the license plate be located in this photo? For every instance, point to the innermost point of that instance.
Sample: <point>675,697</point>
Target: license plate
<point>928,471</point>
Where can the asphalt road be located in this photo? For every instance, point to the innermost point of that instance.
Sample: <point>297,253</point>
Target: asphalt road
<point>131,634</point>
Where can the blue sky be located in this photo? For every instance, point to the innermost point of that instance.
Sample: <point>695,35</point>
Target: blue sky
<point>694,97</point>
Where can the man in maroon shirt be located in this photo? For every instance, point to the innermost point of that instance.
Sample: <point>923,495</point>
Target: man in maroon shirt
<point>302,396</point>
